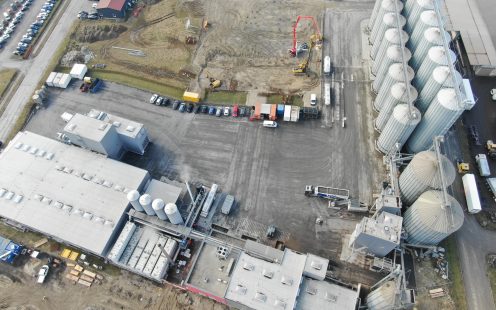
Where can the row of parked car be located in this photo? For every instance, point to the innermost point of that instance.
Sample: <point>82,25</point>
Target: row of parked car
<point>11,17</point>
<point>189,107</point>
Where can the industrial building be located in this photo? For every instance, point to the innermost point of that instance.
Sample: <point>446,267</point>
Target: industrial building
<point>106,134</point>
<point>112,8</point>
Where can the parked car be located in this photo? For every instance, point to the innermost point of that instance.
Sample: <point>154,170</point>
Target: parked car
<point>219,112</point>
<point>493,94</point>
<point>42,273</point>
<point>153,98</point>
<point>159,101</point>
<point>175,105</point>
<point>166,101</point>
<point>242,111</point>
<point>196,109</point>
<point>226,111</point>
<point>204,109</point>
<point>211,110</point>
<point>182,107</point>
<point>189,107</point>
<point>235,110</point>
<point>22,45</point>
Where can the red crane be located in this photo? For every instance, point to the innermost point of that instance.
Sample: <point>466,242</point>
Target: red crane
<point>292,51</point>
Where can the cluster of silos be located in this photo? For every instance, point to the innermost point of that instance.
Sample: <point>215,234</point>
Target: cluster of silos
<point>155,207</point>
<point>415,81</point>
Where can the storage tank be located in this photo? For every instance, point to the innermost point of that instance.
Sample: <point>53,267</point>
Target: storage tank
<point>392,55</point>
<point>437,56</point>
<point>173,214</point>
<point>433,36</point>
<point>427,19</point>
<point>133,197</point>
<point>373,16</point>
<point>387,6</point>
<point>383,297</point>
<point>158,206</point>
<point>413,9</point>
<point>397,95</point>
<point>422,174</point>
<point>146,202</point>
<point>440,78</point>
<point>441,114</point>
<point>398,128</point>
<point>428,221</point>
<point>395,74</point>
<point>391,37</point>
<point>389,20</point>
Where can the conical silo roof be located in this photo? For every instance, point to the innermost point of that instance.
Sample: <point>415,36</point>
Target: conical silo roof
<point>426,169</point>
<point>442,75</point>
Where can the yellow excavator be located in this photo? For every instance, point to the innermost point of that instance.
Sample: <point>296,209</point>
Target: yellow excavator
<point>462,167</point>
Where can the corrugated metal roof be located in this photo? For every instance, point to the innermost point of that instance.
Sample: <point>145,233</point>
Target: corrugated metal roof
<point>111,4</point>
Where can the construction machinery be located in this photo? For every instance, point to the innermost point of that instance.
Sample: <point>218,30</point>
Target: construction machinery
<point>316,38</point>
<point>491,148</point>
<point>462,167</point>
<point>327,192</point>
<point>302,67</point>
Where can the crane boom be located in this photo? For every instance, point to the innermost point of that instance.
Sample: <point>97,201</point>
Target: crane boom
<point>315,26</point>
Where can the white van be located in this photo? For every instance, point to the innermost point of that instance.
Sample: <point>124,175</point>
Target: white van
<point>313,99</point>
<point>270,124</point>
<point>483,165</point>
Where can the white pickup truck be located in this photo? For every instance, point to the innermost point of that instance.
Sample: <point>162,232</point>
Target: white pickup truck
<point>43,273</point>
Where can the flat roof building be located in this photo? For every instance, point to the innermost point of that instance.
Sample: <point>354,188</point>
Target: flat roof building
<point>67,193</point>
<point>325,295</point>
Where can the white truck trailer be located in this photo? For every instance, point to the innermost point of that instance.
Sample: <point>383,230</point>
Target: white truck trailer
<point>327,65</point>
<point>483,165</point>
<point>471,193</point>
<point>287,113</point>
<point>327,93</point>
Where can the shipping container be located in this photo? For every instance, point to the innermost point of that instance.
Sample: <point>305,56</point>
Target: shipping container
<point>327,93</point>
<point>327,65</point>
<point>191,97</point>
<point>280,110</point>
<point>471,193</point>
<point>56,79</point>
<point>64,80</point>
<point>50,79</point>
<point>483,165</point>
<point>258,108</point>
<point>491,182</point>
<point>265,109</point>
<point>287,113</point>
<point>295,113</point>
<point>273,112</point>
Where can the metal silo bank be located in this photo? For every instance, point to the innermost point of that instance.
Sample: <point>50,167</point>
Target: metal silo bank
<point>173,214</point>
<point>391,37</point>
<point>397,95</point>
<point>383,297</point>
<point>399,127</point>
<point>432,37</point>
<point>440,78</point>
<point>133,197</point>
<point>437,56</point>
<point>386,6</point>
<point>395,74</point>
<point>389,20</point>
<point>427,20</point>
<point>393,55</point>
<point>413,9</point>
<point>428,221</point>
<point>441,114</point>
<point>422,174</point>
<point>158,206</point>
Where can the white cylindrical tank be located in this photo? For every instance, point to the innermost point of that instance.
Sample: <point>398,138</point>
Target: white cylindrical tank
<point>158,206</point>
<point>398,128</point>
<point>146,202</point>
<point>423,173</point>
<point>387,6</point>
<point>173,214</point>
<point>437,56</point>
<point>391,37</point>
<point>373,16</point>
<point>413,9</point>
<point>433,36</point>
<point>397,95</point>
<point>393,54</point>
<point>383,297</point>
<point>427,19</point>
<point>442,113</point>
<point>389,20</point>
<point>395,74</point>
<point>440,78</point>
<point>133,197</point>
<point>428,221</point>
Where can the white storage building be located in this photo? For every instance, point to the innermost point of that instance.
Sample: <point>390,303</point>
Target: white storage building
<point>78,71</point>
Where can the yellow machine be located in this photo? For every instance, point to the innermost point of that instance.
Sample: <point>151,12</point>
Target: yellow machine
<point>462,167</point>
<point>302,67</point>
<point>491,148</point>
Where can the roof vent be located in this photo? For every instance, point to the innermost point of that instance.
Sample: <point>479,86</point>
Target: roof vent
<point>71,127</point>
<point>78,212</point>
<point>280,304</point>
<point>316,265</point>
<point>58,205</point>
<point>87,177</point>
<point>2,191</point>
<point>46,200</point>
<point>240,289</point>
<point>248,266</point>
<point>49,156</point>
<point>25,147</point>
<point>68,170</point>
<point>126,190</point>
<point>311,290</point>
<point>268,274</point>
<point>88,215</point>
<point>36,197</point>
<point>108,223</point>
<point>97,180</point>
<point>107,184</point>
<point>59,167</point>
<point>18,145</point>
<point>331,298</point>
<point>117,124</point>
<point>41,153</point>
<point>118,188</point>
<point>99,220</point>
<point>9,195</point>
<point>33,150</point>
<point>67,208</point>
<point>286,280</point>
<point>130,128</point>
<point>261,297</point>
<point>102,127</point>
<point>18,198</point>
<point>78,173</point>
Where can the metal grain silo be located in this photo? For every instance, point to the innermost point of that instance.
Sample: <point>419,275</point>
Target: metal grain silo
<point>413,9</point>
<point>441,114</point>
<point>391,37</point>
<point>397,95</point>
<point>383,297</point>
<point>158,206</point>
<point>395,74</point>
<point>146,202</point>
<point>373,16</point>
<point>427,20</point>
<point>387,6</point>
<point>440,78</point>
<point>428,221</point>
<point>389,20</point>
<point>173,214</point>
<point>437,56</point>
<point>422,174</point>
<point>398,128</point>
<point>433,36</point>
<point>393,54</point>
<point>133,197</point>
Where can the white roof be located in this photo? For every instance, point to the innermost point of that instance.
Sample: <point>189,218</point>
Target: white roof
<point>316,267</point>
<point>167,192</point>
<point>87,127</point>
<point>323,295</point>
<point>122,125</point>
<point>64,191</point>
<point>79,69</point>
<point>259,284</point>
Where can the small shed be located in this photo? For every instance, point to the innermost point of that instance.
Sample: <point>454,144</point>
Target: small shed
<point>64,80</point>
<point>227,205</point>
<point>50,79</point>
<point>112,8</point>
<point>79,71</point>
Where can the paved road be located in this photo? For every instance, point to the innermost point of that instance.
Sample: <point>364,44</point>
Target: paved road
<point>34,68</point>
<point>487,9</point>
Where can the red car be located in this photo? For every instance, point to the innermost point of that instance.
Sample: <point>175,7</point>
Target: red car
<point>235,110</point>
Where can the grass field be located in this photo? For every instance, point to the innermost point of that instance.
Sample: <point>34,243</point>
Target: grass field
<point>225,97</point>
<point>455,274</point>
<point>6,77</point>
<point>293,100</point>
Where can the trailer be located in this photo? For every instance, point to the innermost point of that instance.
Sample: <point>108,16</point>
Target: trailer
<point>483,165</point>
<point>287,113</point>
<point>327,65</point>
<point>9,250</point>
<point>273,112</point>
<point>209,201</point>
<point>491,182</point>
<point>327,94</point>
<point>471,193</point>
<point>327,192</point>
<point>295,113</point>
<point>227,205</point>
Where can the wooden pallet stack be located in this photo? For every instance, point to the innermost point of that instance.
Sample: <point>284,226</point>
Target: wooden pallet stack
<point>81,276</point>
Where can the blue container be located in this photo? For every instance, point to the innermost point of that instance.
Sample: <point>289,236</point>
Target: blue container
<point>280,110</point>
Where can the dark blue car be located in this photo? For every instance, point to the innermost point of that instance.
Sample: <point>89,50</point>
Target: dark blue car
<point>211,110</point>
